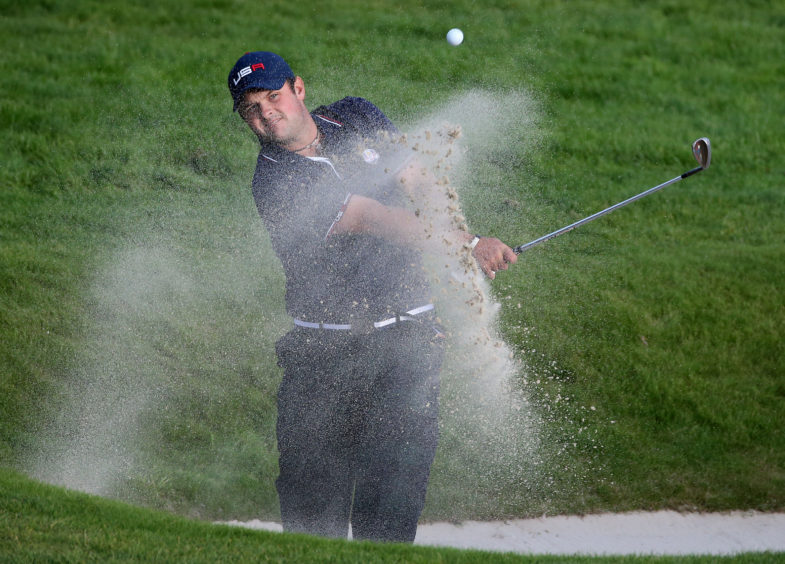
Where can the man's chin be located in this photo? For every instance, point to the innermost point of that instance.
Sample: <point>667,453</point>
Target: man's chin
<point>266,137</point>
<point>279,137</point>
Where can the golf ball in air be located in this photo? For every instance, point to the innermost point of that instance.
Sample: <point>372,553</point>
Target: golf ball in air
<point>455,36</point>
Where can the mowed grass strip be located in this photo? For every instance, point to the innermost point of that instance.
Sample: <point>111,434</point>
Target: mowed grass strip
<point>42,523</point>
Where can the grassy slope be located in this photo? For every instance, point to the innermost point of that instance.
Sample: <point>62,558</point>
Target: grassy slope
<point>666,317</point>
<point>42,523</point>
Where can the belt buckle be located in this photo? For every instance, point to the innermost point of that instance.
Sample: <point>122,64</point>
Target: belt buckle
<point>362,326</point>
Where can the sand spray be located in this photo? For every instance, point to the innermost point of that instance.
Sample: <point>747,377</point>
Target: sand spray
<point>153,306</point>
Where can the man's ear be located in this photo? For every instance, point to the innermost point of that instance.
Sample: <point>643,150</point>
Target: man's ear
<point>299,88</point>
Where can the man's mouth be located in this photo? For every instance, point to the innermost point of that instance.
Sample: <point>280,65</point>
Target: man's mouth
<point>272,121</point>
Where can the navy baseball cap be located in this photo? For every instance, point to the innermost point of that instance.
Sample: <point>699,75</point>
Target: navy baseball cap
<point>258,69</point>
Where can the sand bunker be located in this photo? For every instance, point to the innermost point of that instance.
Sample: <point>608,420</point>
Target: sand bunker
<point>658,533</point>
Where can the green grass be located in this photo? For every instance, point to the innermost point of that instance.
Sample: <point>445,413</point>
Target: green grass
<point>42,523</point>
<point>139,296</point>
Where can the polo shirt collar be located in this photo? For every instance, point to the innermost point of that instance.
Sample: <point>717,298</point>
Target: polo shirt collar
<point>327,127</point>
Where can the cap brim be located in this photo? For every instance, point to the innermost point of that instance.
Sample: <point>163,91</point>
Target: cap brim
<point>268,83</point>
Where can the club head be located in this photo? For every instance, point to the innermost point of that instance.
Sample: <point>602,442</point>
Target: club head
<point>701,149</point>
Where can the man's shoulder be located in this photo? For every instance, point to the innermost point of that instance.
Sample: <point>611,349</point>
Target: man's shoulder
<point>275,165</point>
<point>271,155</point>
<point>356,112</point>
<point>349,105</point>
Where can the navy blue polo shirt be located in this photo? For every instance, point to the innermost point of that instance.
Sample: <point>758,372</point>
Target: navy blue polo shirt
<point>334,278</point>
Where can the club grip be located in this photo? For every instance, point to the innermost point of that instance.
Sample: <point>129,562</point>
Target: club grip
<point>691,172</point>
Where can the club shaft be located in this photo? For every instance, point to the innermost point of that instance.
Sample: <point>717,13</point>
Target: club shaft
<point>519,249</point>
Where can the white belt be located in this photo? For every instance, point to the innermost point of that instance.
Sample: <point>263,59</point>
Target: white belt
<point>407,316</point>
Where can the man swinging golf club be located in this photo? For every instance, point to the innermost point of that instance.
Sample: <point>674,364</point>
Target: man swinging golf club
<point>357,406</point>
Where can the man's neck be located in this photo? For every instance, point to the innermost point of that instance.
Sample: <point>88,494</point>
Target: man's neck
<point>307,144</point>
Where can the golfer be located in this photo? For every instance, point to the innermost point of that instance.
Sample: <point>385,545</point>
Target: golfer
<point>357,407</point>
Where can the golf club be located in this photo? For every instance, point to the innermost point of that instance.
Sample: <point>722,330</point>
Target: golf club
<point>701,150</point>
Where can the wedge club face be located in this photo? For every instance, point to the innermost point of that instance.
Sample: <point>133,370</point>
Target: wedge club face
<point>701,149</point>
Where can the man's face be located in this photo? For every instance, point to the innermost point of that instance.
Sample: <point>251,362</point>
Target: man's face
<point>277,116</point>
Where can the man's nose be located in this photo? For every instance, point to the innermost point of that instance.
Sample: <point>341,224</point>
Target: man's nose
<point>266,108</point>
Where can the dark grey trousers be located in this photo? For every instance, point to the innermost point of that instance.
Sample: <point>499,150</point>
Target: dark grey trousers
<point>357,429</point>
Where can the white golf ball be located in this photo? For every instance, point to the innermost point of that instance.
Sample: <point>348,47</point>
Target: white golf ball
<point>454,36</point>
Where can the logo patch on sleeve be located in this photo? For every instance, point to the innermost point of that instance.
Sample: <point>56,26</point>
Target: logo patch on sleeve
<point>370,156</point>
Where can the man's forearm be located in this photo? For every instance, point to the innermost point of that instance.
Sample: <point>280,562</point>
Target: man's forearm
<point>398,225</point>
<point>405,227</point>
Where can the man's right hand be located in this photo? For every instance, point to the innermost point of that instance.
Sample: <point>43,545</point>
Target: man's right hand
<point>492,255</point>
